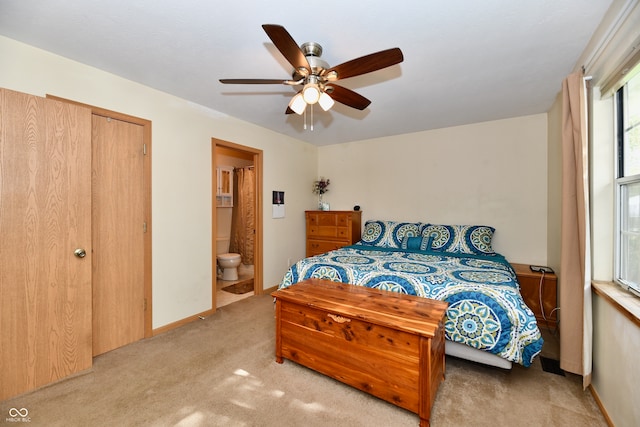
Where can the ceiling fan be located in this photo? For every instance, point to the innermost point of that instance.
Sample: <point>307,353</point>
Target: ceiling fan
<point>316,76</point>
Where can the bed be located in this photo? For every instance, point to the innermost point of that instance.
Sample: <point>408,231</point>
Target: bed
<point>487,320</point>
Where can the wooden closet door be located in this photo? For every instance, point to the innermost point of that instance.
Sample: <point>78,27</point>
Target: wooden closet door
<point>118,233</point>
<point>45,215</point>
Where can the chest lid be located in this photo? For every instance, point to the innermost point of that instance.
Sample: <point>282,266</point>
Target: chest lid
<point>407,313</point>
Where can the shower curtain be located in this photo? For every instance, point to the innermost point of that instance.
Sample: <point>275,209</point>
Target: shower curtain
<point>243,215</point>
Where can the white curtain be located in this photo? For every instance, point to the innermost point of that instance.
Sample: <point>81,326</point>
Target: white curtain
<point>575,258</point>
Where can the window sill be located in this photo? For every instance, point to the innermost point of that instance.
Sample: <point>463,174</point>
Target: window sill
<point>623,300</point>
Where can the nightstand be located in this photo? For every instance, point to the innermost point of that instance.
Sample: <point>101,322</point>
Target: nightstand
<point>533,286</point>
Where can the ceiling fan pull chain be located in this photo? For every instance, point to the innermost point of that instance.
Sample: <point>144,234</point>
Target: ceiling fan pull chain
<point>311,121</point>
<point>304,119</point>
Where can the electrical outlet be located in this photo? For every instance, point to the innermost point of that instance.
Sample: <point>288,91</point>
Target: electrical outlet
<point>541,269</point>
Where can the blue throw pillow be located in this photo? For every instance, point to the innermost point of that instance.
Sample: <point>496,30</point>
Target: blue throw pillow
<point>418,243</point>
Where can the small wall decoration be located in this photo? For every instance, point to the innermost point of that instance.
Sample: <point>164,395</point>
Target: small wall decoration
<point>277,202</point>
<point>278,198</point>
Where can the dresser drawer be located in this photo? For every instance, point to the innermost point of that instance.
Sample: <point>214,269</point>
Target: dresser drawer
<point>329,232</point>
<point>342,233</point>
<point>316,247</point>
<point>329,218</point>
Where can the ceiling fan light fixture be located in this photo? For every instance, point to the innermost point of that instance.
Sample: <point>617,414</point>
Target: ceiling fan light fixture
<point>311,93</point>
<point>298,104</point>
<point>325,101</point>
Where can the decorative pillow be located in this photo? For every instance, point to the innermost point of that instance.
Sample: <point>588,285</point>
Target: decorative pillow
<point>420,243</point>
<point>463,239</point>
<point>388,234</point>
<point>373,233</point>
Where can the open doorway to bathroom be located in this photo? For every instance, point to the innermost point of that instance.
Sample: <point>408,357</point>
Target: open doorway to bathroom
<point>237,222</point>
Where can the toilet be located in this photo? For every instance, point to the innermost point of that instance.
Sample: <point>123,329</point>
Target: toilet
<point>229,264</point>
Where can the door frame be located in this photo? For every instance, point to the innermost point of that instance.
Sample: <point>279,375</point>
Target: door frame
<point>146,139</point>
<point>256,156</point>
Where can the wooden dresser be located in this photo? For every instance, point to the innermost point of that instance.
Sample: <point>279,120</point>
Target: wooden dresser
<point>329,230</point>
<point>384,343</point>
<point>530,283</point>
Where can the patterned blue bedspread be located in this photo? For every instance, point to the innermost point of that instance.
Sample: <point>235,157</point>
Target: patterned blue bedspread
<point>486,310</point>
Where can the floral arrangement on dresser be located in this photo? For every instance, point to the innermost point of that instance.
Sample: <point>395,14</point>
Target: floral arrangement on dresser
<point>320,187</point>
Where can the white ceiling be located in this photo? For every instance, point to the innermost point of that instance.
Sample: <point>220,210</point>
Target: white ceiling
<point>465,61</point>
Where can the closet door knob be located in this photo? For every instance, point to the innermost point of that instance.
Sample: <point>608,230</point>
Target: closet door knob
<point>80,253</point>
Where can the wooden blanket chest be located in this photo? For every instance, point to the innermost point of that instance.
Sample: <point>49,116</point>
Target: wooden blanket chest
<point>387,344</point>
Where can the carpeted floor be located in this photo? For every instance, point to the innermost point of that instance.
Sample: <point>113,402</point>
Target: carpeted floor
<point>221,372</point>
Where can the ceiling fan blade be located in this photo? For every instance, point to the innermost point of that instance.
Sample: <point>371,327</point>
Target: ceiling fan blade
<point>366,64</point>
<point>287,46</point>
<point>347,97</point>
<point>253,81</point>
<point>289,111</point>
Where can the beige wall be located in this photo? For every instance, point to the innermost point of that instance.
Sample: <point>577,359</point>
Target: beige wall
<point>492,173</point>
<point>181,173</point>
<point>554,184</point>
<point>616,374</point>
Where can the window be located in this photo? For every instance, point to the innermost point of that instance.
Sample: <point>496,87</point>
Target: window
<point>628,183</point>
